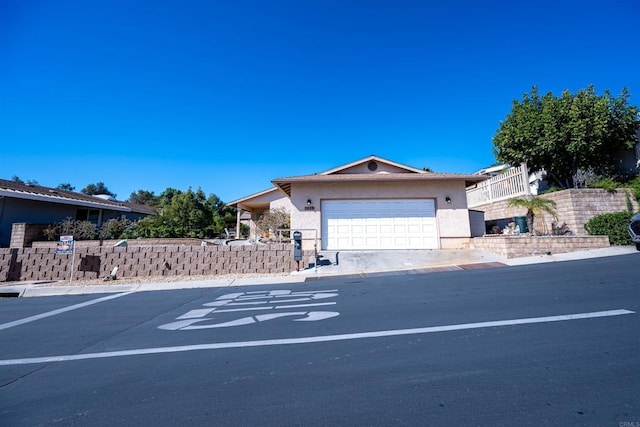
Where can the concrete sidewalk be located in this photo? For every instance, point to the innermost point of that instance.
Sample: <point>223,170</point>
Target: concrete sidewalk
<point>359,263</point>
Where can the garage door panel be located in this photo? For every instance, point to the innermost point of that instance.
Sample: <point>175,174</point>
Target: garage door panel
<point>379,224</point>
<point>372,242</point>
<point>417,229</point>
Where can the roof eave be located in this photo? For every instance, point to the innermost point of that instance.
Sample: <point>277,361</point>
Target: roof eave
<point>62,200</point>
<point>236,202</point>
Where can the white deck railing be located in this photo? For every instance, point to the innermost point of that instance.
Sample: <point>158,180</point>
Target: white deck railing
<point>513,182</point>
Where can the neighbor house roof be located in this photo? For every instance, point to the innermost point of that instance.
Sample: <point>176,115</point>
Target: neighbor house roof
<point>19,190</point>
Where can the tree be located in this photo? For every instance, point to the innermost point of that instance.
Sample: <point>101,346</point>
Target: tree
<point>98,188</point>
<point>535,206</point>
<point>180,214</point>
<point>167,195</point>
<point>187,214</point>
<point>566,134</point>
<point>223,216</point>
<point>273,219</point>
<point>66,187</point>
<point>144,197</point>
<point>17,179</point>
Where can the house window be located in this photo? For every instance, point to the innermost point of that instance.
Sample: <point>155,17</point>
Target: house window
<point>90,215</point>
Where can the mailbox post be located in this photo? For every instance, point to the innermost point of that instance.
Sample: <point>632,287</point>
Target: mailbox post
<point>297,248</point>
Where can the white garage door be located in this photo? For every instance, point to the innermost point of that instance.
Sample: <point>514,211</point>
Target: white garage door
<point>379,224</point>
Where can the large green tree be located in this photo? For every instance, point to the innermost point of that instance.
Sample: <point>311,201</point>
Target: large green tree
<point>97,188</point>
<point>144,197</point>
<point>222,216</point>
<point>66,187</point>
<point>563,135</point>
<point>187,214</point>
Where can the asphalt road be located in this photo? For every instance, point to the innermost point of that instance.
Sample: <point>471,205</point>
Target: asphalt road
<point>480,347</point>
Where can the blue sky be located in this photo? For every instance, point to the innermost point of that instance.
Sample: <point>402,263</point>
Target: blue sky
<point>228,95</point>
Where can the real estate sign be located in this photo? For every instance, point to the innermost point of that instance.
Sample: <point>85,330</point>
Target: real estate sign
<point>65,245</point>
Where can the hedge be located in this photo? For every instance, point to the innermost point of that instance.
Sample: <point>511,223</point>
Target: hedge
<point>613,225</point>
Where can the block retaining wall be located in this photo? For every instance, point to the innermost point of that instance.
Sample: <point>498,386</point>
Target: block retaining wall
<point>145,261</point>
<point>130,242</point>
<point>521,246</point>
<point>575,207</point>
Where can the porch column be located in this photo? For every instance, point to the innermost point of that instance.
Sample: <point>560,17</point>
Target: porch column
<point>525,179</point>
<point>238,215</point>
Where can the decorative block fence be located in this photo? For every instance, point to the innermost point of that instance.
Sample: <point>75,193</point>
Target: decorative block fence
<point>42,263</point>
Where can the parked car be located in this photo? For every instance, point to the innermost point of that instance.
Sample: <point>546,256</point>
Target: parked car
<point>634,230</point>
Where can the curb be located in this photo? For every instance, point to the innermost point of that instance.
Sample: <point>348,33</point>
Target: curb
<point>38,289</point>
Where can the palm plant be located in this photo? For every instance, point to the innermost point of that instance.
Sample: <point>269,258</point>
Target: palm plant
<point>535,206</point>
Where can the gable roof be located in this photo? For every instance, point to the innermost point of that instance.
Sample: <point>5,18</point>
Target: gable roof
<point>411,174</point>
<point>252,196</point>
<point>368,159</point>
<point>19,190</point>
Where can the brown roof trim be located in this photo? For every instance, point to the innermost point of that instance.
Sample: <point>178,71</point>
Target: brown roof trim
<point>244,199</point>
<point>285,183</point>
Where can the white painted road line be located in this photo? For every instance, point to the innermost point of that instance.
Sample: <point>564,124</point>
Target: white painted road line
<point>59,311</point>
<point>316,339</point>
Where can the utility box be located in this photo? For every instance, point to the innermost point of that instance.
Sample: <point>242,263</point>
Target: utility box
<point>297,246</point>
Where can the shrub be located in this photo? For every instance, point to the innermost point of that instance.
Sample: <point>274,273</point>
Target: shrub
<point>634,184</point>
<point>80,230</point>
<point>117,229</point>
<point>614,225</point>
<point>607,183</point>
<point>552,189</point>
<point>273,219</point>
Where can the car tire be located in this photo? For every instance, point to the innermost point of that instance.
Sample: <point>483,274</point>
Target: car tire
<point>638,246</point>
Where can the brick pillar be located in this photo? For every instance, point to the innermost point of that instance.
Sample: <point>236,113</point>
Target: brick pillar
<point>18,231</point>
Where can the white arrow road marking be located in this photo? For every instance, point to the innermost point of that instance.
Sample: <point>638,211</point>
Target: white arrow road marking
<point>244,296</point>
<point>186,325</point>
<point>316,339</point>
<point>202,312</point>
<point>277,307</point>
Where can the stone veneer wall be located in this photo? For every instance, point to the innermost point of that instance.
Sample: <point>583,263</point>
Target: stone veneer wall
<point>137,261</point>
<point>521,246</point>
<point>575,207</point>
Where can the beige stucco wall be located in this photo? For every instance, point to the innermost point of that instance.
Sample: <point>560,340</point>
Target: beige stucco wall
<point>282,202</point>
<point>452,219</point>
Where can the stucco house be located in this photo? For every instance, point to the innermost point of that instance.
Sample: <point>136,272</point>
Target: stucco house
<point>36,204</point>
<point>371,203</point>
